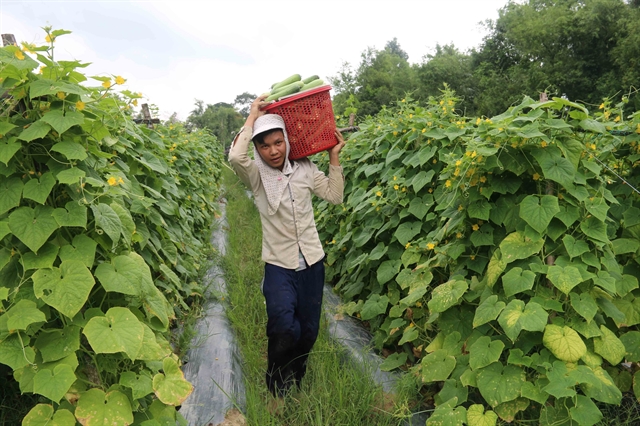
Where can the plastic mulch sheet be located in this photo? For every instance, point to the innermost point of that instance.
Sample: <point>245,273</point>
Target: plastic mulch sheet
<point>357,342</point>
<point>213,363</point>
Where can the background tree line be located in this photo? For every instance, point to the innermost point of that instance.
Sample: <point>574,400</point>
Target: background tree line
<point>586,50</point>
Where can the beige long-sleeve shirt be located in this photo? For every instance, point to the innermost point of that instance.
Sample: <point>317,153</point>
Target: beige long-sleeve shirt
<point>292,228</point>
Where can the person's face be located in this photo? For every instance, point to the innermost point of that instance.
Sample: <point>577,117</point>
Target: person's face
<point>274,149</point>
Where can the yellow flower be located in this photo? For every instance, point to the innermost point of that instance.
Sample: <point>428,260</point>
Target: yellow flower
<point>424,130</point>
<point>593,146</point>
<point>396,187</point>
<point>543,144</point>
<point>460,207</point>
<point>395,178</point>
<point>430,190</point>
<point>601,106</point>
<point>458,162</point>
<point>441,102</point>
<point>473,257</point>
<point>475,227</point>
<point>434,161</point>
<point>377,209</point>
<point>419,304</point>
<point>112,181</point>
<point>49,38</point>
<point>483,179</point>
<point>106,84</point>
<point>333,241</point>
<point>79,105</point>
<point>120,80</point>
<point>395,133</point>
<point>607,114</point>
<point>447,183</point>
<point>456,172</point>
<point>407,245</point>
<point>617,119</point>
<point>536,176</point>
<point>41,69</point>
<point>403,100</point>
<point>120,180</point>
<point>135,102</point>
<point>459,235</point>
<point>560,196</point>
<point>379,194</point>
<point>61,95</point>
<point>404,189</point>
<point>478,121</point>
<point>431,246</point>
<point>473,154</point>
<point>19,55</point>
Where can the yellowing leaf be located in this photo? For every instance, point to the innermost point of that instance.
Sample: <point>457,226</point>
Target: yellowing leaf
<point>171,387</point>
<point>564,343</point>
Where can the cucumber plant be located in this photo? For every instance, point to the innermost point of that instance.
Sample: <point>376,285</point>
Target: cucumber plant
<point>496,258</point>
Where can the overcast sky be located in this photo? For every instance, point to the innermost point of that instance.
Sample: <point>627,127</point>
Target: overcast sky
<point>179,50</point>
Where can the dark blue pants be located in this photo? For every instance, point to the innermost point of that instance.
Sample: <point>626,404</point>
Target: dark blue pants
<point>294,302</point>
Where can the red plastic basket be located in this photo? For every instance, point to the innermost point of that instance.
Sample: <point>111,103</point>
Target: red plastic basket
<point>309,120</point>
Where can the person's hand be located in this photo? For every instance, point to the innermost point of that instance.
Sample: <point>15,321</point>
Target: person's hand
<point>334,159</point>
<point>257,105</point>
<point>333,151</point>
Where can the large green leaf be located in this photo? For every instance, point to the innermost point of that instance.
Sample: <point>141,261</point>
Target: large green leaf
<point>538,211</point>
<point>437,366</point>
<point>446,295</point>
<point>516,281</point>
<point>36,130</point>
<point>479,209</point>
<point>609,346</point>
<point>171,387</point>
<point>496,267</point>
<point>605,390</point>
<point>70,176</point>
<point>387,270</point>
<point>561,383</point>
<point>43,415</point>
<point>554,166</point>
<point>123,275</point>
<point>394,361</point>
<point>452,389</point>
<point>15,352</point>
<point>45,257</point>
<point>33,226</point>
<point>141,385</point>
<point>498,384</point>
<point>73,214</point>
<point>406,231</point>
<point>564,343</point>
<point>118,331</point>
<point>54,384</point>
<point>66,288</point>
<point>10,194</point>
<point>107,219</point>
<point>631,341</point>
<point>488,310</point>
<point>564,278</point>
<point>517,317</point>
<point>574,247</point>
<point>595,229</point>
<point>517,246</point>
<point>484,352</point>
<point>71,150</point>
<point>508,410</point>
<point>374,306</point>
<point>584,305</point>
<point>8,149</point>
<point>598,207</point>
<point>61,120</point>
<point>585,411</point>
<point>23,314</point>
<point>39,189</point>
<point>82,248</point>
<point>58,343</point>
<point>95,408</point>
<point>448,414</point>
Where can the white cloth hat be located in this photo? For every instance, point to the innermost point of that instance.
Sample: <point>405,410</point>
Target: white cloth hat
<point>273,180</point>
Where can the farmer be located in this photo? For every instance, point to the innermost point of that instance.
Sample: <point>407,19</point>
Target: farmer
<point>291,249</point>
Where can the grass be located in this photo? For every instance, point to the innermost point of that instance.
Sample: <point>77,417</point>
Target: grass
<point>334,392</point>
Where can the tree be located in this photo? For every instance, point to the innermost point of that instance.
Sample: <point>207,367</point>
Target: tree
<point>221,119</point>
<point>447,65</point>
<point>559,46</point>
<point>243,102</point>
